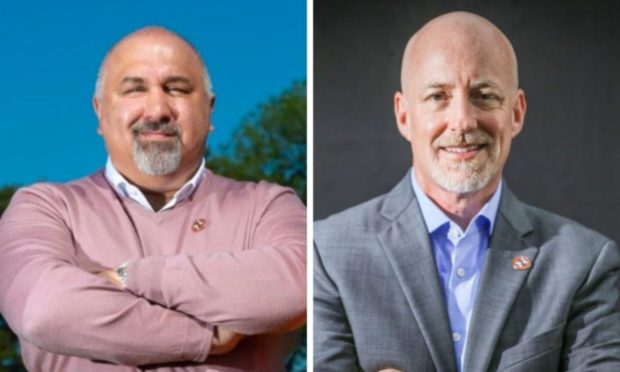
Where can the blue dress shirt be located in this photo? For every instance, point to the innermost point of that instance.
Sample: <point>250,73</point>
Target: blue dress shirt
<point>459,256</point>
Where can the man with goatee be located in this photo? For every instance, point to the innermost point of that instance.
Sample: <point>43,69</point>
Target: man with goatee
<point>154,261</point>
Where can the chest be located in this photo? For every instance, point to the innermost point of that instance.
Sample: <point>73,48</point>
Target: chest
<point>114,233</point>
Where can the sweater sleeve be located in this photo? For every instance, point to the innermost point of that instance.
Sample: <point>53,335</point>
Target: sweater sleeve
<point>258,290</point>
<point>53,303</point>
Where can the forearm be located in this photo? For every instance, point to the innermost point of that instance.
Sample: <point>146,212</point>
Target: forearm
<point>251,292</point>
<point>78,314</point>
<point>259,288</point>
<point>223,340</point>
<point>49,301</point>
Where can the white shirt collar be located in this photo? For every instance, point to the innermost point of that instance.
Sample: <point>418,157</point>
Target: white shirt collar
<point>125,189</point>
<point>435,217</point>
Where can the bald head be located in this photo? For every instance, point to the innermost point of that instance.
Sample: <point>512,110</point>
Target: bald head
<point>153,35</point>
<point>460,35</point>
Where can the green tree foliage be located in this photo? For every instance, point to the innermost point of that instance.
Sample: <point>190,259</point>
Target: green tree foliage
<point>5,197</point>
<point>270,143</point>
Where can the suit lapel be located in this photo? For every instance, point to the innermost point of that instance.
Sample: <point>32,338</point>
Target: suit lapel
<point>499,283</point>
<point>408,249</point>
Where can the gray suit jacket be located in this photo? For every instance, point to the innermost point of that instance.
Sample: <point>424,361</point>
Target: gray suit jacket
<point>378,302</point>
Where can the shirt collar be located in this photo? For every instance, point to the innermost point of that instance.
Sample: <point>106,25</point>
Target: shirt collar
<point>435,217</point>
<point>125,189</point>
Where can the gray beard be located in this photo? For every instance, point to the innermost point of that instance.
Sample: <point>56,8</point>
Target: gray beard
<point>465,177</point>
<point>157,158</point>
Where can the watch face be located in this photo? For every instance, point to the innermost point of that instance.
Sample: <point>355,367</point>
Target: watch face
<point>122,274</point>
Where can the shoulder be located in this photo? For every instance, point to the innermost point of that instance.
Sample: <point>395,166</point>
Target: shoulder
<point>355,223</point>
<point>50,194</point>
<point>59,202</point>
<point>551,229</point>
<point>232,192</point>
<point>228,186</point>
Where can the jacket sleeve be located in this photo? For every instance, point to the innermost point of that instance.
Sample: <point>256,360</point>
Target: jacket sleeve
<point>334,349</point>
<point>592,336</point>
<point>258,290</point>
<point>58,306</point>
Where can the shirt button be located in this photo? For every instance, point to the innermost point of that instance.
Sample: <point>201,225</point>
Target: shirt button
<point>460,272</point>
<point>456,337</point>
<point>453,234</point>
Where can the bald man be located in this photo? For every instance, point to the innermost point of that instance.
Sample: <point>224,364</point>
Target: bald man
<point>154,261</point>
<point>449,271</point>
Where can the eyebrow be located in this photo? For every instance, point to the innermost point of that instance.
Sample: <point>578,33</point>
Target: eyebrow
<point>478,85</point>
<point>178,79</point>
<point>438,85</point>
<point>485,84</point>
<point>132,80</point>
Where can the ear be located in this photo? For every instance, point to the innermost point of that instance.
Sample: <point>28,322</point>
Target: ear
<point>97,108</point>
<point>518,112</point>
<point>401,114</point>
<point>211,107</point>
<point>212,102</point>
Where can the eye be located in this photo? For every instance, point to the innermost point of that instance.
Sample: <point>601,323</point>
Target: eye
<point>488,96</point>
<point>134,89</point>
<point>437,97</point>
<point>487,99</point>
<point>177,91</point>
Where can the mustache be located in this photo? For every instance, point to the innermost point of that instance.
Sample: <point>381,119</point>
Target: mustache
<point>166,127</point>
<point>474,137</point>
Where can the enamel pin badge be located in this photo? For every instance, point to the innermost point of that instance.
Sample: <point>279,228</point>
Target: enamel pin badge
<point>521,263</point>
<point>199,225</point>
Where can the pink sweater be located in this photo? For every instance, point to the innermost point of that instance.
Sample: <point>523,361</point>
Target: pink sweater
<point>246,270</point>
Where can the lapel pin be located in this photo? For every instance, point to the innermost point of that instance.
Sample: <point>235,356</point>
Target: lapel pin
<point>521,263</point>
<point>199,225</point>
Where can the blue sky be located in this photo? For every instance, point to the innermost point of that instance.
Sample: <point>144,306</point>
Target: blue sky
<point>51,51</point>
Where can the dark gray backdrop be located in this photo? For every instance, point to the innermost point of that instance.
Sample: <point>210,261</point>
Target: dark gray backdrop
<point>565,159</point>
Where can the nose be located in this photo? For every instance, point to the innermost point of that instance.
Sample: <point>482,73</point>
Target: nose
<point>157,106</point>
<point>462,116</point>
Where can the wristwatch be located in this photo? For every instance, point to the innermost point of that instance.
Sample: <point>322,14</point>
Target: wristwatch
<point>122,274</point>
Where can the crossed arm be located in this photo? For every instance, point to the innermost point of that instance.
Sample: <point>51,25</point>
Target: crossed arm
<point>60,307</point>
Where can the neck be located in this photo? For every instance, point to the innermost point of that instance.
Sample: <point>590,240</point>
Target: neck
<point>157,200</point>
<point>159,190</point>
<point>460,208</point>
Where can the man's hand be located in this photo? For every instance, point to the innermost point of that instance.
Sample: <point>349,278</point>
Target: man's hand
<point>112,276</point>
<point>224,341</point>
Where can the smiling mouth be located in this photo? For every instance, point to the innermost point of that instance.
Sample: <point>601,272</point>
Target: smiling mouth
<point>463,152</point>
<point>462,149</point>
